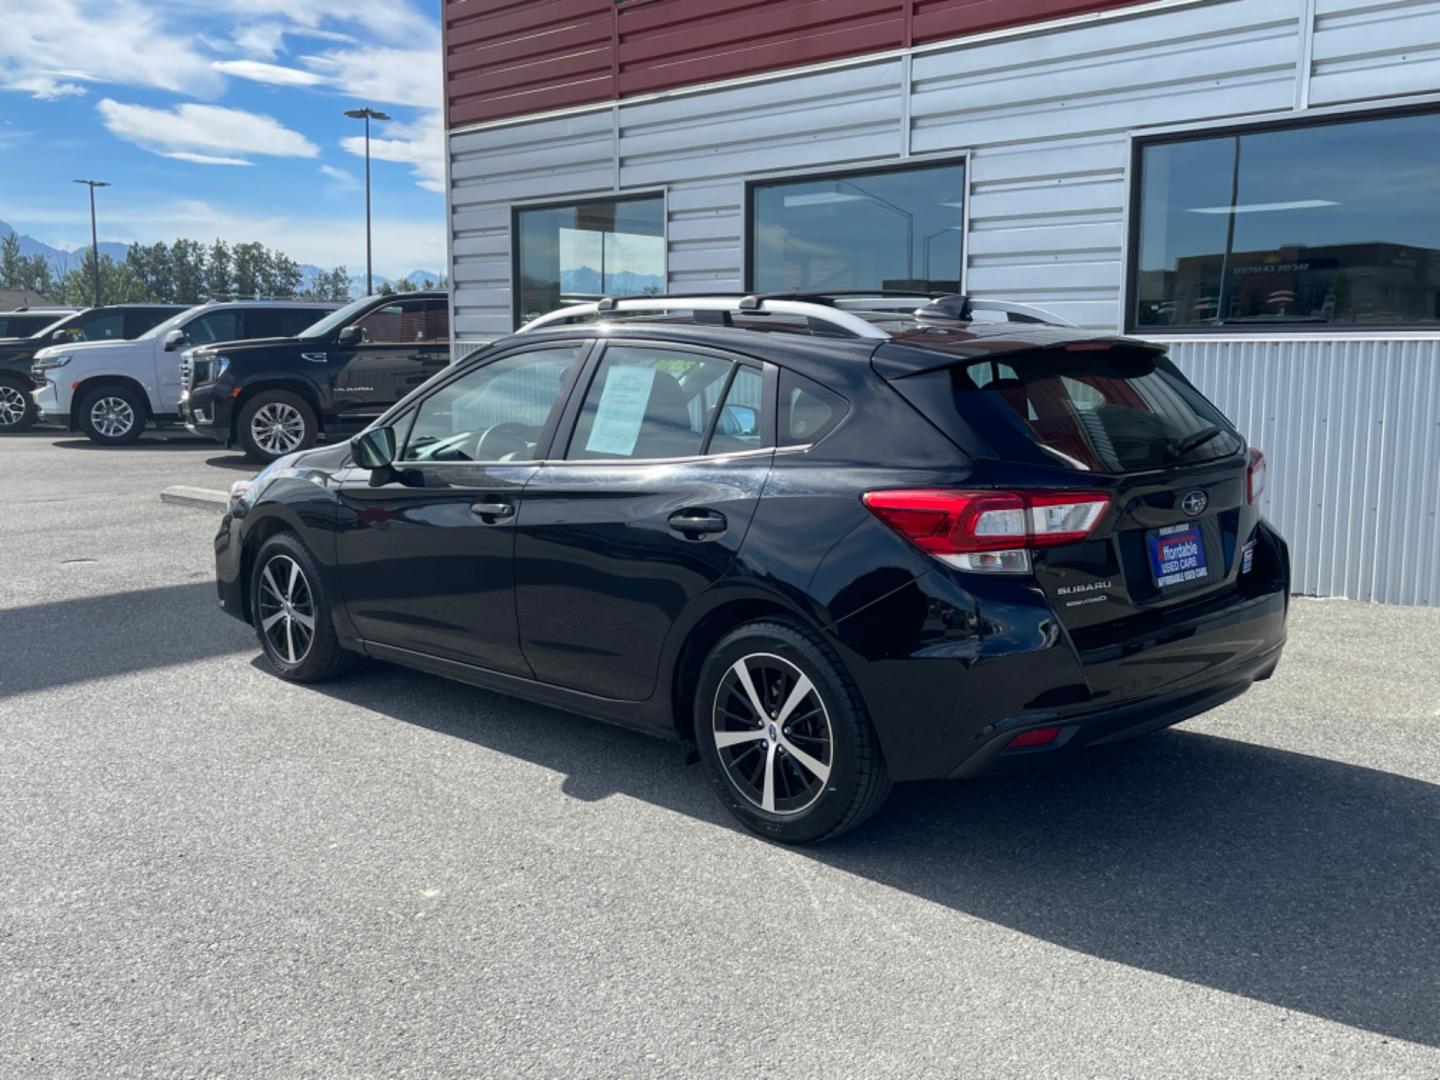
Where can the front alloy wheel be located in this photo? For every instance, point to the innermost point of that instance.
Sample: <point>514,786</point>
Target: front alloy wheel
<point>277,428</point>
<point>17,411</point>
<point>112,417</point>
<point>286,609</point>
<point>291,615</point>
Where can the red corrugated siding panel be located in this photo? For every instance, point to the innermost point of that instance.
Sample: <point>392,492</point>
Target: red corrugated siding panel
<point>668,43</point>
<point>511,57</point>
<point>506,58</point>
<point>939,19</point>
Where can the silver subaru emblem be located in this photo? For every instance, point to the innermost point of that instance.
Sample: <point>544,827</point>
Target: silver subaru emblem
<point>1194,503</point>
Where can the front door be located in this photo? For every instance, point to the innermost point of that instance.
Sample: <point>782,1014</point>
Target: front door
<point>402,344</point>
<point>643,510</point>
<point>426,548</point>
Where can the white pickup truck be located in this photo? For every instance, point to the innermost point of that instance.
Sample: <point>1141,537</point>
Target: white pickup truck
<point>110,390</point>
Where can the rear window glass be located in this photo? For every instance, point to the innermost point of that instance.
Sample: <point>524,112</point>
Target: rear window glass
<point>1112,411</point>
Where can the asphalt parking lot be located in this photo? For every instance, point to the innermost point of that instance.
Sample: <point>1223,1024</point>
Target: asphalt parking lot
<point>207,872</point>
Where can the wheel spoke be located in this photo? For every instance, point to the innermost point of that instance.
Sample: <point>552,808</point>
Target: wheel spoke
<point>742,673</point>
<point>270,584</point>
<point>767,800</point>
<point>801,690</point>
<point>817,768</point>
<point>294,577</point>
<point>304,620</point>
<point>272,620</point>
<point>725,739</point>
<point>290,638</point>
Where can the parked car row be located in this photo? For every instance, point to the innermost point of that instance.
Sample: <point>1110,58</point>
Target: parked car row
<point>269,377</point>
<point>825,542</point>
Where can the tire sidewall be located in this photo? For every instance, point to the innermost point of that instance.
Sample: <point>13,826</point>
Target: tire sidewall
<point>125,394</point>
<point>308,667</point>
<point>31,413</point>
<point>253,450</point>
<point>824,815</point>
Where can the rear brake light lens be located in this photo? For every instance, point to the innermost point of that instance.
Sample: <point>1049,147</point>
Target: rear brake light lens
<point>1255,479</point>
<point>1040,736</point>
<point>989,531</point>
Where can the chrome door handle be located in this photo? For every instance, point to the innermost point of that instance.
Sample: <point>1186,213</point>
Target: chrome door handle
<point>693,524</point>
<point>492,509</point>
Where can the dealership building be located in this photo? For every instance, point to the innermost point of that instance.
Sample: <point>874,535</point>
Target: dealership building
<point>1254,183</point>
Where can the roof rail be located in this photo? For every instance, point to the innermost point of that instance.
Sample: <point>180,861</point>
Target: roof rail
<point>752,304</point>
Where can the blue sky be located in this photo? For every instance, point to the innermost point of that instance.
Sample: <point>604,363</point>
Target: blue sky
<point>224,118</point>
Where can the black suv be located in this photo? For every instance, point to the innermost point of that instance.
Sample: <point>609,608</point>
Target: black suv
<point>117,322</point>
<point>26,321</point>
<point>827,548</point>
<point>273,397</point>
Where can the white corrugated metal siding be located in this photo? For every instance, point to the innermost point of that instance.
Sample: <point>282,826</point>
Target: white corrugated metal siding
<point>1352,429</point>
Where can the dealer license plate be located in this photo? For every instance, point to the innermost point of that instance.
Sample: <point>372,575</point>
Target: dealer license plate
<point>1177,555</point>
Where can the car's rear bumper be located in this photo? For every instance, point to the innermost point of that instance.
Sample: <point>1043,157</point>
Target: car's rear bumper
<point>953,667</point>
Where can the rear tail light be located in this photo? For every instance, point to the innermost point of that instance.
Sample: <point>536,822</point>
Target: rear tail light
<point>1255,479</point>
<point>988,531</point>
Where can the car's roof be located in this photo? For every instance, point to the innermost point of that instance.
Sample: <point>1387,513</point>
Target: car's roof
<point>913,345</point>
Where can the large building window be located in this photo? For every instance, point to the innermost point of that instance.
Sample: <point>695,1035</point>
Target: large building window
<point>1325,224</point>
<point>897,229</point>
<point>583,251</point>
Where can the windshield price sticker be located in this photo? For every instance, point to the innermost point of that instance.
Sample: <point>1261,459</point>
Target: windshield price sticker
<point>1177,555</point>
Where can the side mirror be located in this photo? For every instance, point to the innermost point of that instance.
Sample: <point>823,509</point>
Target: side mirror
<point>60,336</point>
<point>174,339</point>
<point>350,336</point>
<point>740,420</point>
<point>374,449</point>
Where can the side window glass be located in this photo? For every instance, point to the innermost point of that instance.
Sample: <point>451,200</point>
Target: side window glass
<point>108,327</point>
<point>382,326</point>
<point>260,323</point>
<point>740,425</point>
<point>213,327</point>
<point>648,402</point>
<point>495,413</point>
<point>406,322</point>
<point>808,411</point>
<point>297,319</point>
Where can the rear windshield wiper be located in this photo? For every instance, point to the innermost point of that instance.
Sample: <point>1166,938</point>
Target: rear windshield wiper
<point>1180,447</point>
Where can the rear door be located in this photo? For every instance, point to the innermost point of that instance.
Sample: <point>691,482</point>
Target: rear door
<point>639,510</point>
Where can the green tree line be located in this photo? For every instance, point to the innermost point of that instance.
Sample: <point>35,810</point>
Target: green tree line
<point>185,272</point>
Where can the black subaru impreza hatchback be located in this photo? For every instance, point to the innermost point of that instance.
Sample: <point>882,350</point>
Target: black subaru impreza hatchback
<point>825,543</point>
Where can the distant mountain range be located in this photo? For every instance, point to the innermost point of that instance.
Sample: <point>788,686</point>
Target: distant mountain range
<point>585,281</point>
<point>61,261</point>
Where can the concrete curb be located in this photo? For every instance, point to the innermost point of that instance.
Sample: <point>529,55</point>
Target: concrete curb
<point>203,498</point>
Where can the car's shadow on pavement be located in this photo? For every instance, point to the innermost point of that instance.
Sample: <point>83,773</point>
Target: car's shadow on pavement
<point>1305,883</point>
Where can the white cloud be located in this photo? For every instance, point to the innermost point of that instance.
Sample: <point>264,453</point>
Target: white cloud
<point>195,129</point>
<point>274,74</point>
<point>50,49</point>
<point>344,179</point>
<point>383,75</point>
<point>205,159</point>
<point>420,145</point>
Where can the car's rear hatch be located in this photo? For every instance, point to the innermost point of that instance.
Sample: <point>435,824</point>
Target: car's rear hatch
<point>1058,413</point>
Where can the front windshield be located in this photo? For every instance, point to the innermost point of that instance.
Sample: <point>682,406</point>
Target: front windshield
<point>343,317</point>
<point>161,329</point>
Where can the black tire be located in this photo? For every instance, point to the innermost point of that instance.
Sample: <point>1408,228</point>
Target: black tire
<point>293,425</point>
<point>294,652</point>
<point>831,728</point>
<point>17,407</point>
<point>112,415</point>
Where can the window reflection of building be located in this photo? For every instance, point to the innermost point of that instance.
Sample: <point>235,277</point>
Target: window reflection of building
<point>1375,283</point>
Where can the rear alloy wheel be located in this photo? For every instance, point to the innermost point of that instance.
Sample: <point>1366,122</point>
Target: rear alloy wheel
<point>784,735</point>
<point>274,423</point>
<point>112,415</point>
<point>17,408</point>
<point>291,616</point>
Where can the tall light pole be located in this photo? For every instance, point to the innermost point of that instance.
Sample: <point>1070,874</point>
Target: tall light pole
<point>367,114</point>
<point>94,239</point>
